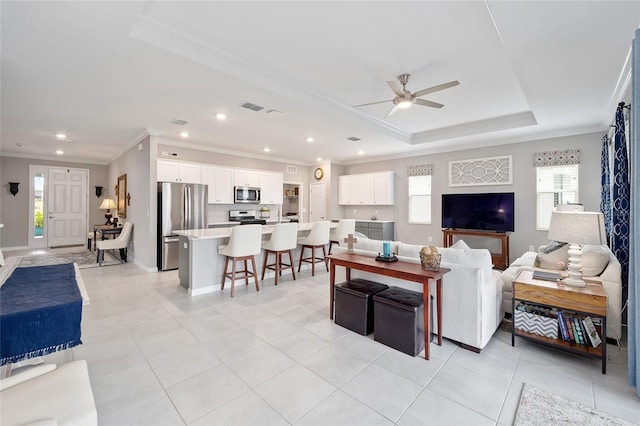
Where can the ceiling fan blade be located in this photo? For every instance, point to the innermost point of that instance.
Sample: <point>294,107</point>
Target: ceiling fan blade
<point>394,109</point>
<point>425,102</point>
<point>436,88</point>
<point>396,87</point>
<point>372,103</point>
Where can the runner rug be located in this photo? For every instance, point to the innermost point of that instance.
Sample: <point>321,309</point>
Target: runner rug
<point>79,255</point>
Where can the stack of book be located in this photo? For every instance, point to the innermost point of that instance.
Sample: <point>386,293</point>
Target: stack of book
<point>577,329</point>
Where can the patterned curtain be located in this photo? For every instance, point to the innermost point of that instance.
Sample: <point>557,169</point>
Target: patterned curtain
<point>605,186</point>
<point>621,200</point>
<point>633,317</point>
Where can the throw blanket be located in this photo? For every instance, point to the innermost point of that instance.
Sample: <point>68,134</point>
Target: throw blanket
<point>40,312</point>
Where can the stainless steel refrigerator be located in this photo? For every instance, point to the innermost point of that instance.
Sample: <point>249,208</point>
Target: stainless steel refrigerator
<point>180,206</point>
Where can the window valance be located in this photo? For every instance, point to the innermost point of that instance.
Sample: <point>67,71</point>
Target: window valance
<point>560,157</point>
<point>420,170</point>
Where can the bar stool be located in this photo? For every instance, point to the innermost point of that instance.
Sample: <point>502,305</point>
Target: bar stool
<point>318,237</point>
<point>337,235</point>
<point>244,244</point>
<point>284,238</point>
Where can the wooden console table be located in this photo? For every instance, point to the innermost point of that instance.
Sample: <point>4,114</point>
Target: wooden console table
<point>403,270</point>
<point>500,261</point>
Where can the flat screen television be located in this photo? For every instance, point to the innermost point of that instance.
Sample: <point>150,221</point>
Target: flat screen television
<point>482,211</point>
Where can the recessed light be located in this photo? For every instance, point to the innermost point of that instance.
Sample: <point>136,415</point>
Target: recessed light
<point>61,136</point>
<point>309,139</point>
<point>59,152</point>
<point>319,159</point>
<point>221,116</point>
<point>360,152</point>
<point>184,134</point>
<point>267,149</point>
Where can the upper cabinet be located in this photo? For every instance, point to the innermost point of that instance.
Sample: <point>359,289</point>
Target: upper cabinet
<point>366,189</point>
<point>219,181</point>
<point>243,177</point>
<point>271,187</point>
<point>179,171</point>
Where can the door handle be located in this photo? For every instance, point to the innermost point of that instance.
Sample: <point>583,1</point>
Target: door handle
<point>171,240</point>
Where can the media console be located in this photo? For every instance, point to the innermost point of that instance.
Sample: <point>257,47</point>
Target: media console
<point>499,260</point>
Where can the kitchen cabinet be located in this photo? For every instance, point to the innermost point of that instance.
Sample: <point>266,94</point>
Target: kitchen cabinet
<point>242,177</point>
<point>179,171</point>
<point>366,189</point>
<point>271,187</point>
<point>376,230</point>
<point>219,181</point>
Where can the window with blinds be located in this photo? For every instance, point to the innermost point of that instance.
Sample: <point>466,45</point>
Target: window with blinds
<point>420,199</point>
<point>554,185</point>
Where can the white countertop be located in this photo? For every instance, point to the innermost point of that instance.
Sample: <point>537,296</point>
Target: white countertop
<point>203,234</point>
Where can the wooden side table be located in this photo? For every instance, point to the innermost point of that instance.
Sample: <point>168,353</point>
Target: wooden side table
<point>590,300</point>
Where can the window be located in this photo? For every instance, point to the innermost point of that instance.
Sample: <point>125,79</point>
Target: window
<point>420,199</point>
<point>554,185</point>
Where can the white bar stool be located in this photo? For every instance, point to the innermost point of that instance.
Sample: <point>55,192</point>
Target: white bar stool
<point>284,239</point>
<point>338,234</point>
<point>318,237</point>
<point>244,244</point>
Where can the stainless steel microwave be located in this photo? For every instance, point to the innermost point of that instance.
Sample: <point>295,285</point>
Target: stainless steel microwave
<point>246,195</point>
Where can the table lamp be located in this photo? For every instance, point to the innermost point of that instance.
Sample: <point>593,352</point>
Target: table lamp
<point>576,229</point>
<point>108,204</point>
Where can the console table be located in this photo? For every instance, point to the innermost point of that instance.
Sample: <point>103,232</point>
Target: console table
<point>403,270</point>
<point>499,260</point>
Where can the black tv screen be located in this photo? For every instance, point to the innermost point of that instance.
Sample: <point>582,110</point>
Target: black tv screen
<point>486,212</point>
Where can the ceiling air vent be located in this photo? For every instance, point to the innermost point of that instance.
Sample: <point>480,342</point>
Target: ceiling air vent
<point>252,107</point>
<point>353,139</point>
<point>179,122</point>
<point>292,170</point>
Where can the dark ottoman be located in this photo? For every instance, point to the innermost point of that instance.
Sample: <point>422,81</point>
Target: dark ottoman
<point>399,320</point>
<point>354,304</point>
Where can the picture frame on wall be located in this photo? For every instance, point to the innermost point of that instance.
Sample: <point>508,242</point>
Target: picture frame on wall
<point>122,195</point>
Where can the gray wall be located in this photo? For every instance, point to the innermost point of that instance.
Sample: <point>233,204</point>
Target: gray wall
<point>14,211</point>
<point>524,187</point>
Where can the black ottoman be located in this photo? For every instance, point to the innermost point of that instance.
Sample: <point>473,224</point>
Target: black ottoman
<point>354,304</point>
<point>399,320</point>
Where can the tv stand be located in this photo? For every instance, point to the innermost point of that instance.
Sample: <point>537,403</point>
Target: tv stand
<point>500,260</point>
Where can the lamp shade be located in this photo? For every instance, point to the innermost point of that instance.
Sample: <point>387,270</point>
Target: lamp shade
<point>577,227</point>
<point>107,204</point>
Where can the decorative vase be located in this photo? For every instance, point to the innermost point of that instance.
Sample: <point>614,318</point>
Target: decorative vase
<point>430,258</point>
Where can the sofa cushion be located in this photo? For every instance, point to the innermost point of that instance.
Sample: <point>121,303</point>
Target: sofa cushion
<point>549,260</point>
<point>411,250</point>
<point>374,246</point>
<point>479,258</point>
<point>593,262</point>
<point>460,244</point>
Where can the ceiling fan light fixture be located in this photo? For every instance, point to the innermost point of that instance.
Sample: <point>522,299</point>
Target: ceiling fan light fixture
<point>404,104</point>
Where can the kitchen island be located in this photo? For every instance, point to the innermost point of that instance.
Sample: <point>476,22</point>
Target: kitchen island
<point>200,267</point>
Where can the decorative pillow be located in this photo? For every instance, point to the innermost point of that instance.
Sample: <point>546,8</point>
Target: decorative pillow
<point>594,263</point>
<point>553,246</point>
<point>410,250</point>
<point>549,260</point>
<point>460,244</point>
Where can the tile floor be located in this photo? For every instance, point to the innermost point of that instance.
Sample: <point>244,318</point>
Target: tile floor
<point>160,357</point>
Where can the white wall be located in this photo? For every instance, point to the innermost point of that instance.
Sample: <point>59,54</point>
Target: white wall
<point>523,186</point>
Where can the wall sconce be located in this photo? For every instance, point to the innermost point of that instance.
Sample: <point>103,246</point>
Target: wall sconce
<point>98,191</point>
<point>13,188</point>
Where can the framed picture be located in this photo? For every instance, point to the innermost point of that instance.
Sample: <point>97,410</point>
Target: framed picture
<point>122,196</point>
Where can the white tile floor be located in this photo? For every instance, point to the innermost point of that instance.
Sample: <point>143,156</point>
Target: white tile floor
<point>160,357</point>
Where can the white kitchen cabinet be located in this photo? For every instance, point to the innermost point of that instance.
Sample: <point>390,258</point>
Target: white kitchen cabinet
<point>179,171</point>
<point>366,189</point>
<point>219,181</point>
<point>271,187</point>
<point>242,177</point>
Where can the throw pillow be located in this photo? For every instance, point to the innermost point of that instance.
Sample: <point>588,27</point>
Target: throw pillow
<point>594,263</point>
<point>460,244</point>
<point>553,246</point>
<point>549,260</point>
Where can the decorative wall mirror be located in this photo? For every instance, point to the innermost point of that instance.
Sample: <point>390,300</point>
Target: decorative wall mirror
<point>122,195</point>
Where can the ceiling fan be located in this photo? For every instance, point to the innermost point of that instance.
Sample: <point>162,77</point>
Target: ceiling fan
<point>404,98</point>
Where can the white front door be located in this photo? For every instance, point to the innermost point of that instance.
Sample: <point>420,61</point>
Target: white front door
<point>67,207</point>
<point>317,201</point>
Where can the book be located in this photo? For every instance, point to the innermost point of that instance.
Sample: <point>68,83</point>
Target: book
<point>569,328</point>
<point>546,276</point>
<point>563,327</point>
<point>592,332</point>
<point>578,332</point>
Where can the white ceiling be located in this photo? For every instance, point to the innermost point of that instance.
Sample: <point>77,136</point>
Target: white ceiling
<point>106,72</point>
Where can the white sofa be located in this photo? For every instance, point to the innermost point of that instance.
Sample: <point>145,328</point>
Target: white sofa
<point>471,291</point>
<point>48,395</point>
<point>610,278</point>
